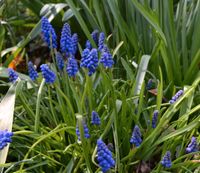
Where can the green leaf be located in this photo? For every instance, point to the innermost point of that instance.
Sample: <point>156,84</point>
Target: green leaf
<point>6,116</point>
<point>142,69</point>
<point>160,91</point>
<point>68,14</point>
<point>151,18</point>
<point>128,69</point>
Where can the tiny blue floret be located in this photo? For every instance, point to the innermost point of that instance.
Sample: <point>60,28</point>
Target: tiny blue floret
<point>32,71</point>
<point>89,60</point>
<point>95,120</point>
<point>5,138</point>
<point>101,41</point>
<point>154,119</point>
<point>48,32</point>
<point>193,146</point>
<point>86,131</point>
<point>74,43</point>
<point>13,76</point>
<point>94,36</point>
<point>66,40</point>
<point>48,74</point>
<point>106,57</point>
<point>166,161</point>
<point>72,67</point>
<point>176,97</point>
<point>104,156</point>
<point>136,137</point>
<point>59,61</point>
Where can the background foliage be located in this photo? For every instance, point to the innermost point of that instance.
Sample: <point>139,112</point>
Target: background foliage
<point>150,39</point>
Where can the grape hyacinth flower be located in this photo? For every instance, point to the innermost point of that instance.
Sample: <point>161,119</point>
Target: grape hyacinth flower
<point>59,61</point>
<point>101,41</point>
<point>48,32</point>
<point>149,84</point>
<point>106,58</point>
<point>13,76</point>
<point>48,74</point>
<point>193,146</point>
<point>89,60</point>
<point>136,136</point>
<point>154,119</point>
<point>176,96</point>
<point>74,43</point>
<point>5,138</point>
<point>95,118</point>
<point>166,161</point>
<point>66,40</point>
<point>104,156</point>
<point>72,67</point>
<point>86,131</point>
<point>94,36</point>
<point>32,71</point>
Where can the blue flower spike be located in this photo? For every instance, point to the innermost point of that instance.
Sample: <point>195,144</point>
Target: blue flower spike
<point>94,36</point>
<point>193,146</point>
<point>154,119</point>
<point>149,84</point>
<point>59,61</point>
<point>95,120</point>
<point>104,156</point>
<point>72,67</point>
<point>89,60</point>
<point>48,32</point>
<point>176,96</point>
<point>166,160</point>
<point>74,43</point>
<point>48,74</point>
<point>13,76</point>
<point>32,71</point>
<point>136,137</point>
<point>106,58</point>
<point>5,138</point>
<point>101,41</point>
<point>86,131</point>
<point>66,39</point>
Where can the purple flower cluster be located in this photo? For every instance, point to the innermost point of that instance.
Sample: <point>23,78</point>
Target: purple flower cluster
<point>89,60</point>
<point>48,74</point>
<point>106,57</point>
<point>176,96</point>
<point>94,36</point>
<point>154,119</point>
<point>72,67</point>
<point>86,131</point>
<point>32,71</point>
<point>166,160</point>
<point>59,61</point>
<point>193,146</point>
<point>104,156</point>
<point>13,76</point>
<point>74,43</point>
<point>149,84</point>
<point>5,138</point>
<point>49,34</point>
<point>95,118</point>
<point>136,137</point>
<point>66,40</point>
<point>101,41</point>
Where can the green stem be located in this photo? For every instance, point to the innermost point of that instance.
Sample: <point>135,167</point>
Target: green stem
<point>37,115</point>
<point>51,106</point>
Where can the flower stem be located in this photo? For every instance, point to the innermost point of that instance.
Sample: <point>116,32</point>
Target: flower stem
<point>37,114</point>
